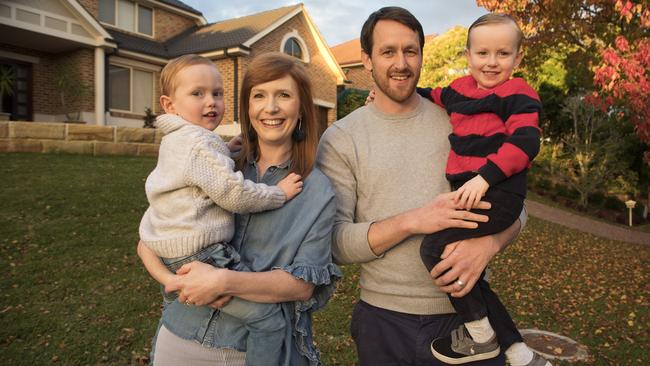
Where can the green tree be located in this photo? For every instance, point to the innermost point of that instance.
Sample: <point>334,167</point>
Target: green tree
<point>589,158</point>
<point>444,58</point>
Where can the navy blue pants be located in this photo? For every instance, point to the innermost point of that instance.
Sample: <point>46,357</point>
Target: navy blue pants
<point>389,338</point>
<point>481,301</point>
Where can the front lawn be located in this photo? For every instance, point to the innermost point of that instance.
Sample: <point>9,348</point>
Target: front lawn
<point>74,292</point>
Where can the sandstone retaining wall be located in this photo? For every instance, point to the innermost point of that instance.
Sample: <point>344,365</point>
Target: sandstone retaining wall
<point>78,139</point>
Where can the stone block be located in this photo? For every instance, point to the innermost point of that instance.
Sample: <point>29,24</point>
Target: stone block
<point>70,147</point>
<point>90,133</point>
<point>4,130</point>
<point>109,148</point>
<point>22,145</point>
<point>31,130</point>
<point>159,136</point>
<point>148,149</point>
<point>128,134</point>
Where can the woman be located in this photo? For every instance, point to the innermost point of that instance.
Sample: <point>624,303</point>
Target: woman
<point>288,248</point>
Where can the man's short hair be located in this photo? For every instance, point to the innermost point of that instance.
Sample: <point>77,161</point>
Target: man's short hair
<point>394,13</point>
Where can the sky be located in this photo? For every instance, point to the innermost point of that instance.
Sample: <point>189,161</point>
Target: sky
<point>341,20</point>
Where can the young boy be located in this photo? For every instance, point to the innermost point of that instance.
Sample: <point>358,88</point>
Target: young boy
<point>193,192</point>
<point>495,137</point>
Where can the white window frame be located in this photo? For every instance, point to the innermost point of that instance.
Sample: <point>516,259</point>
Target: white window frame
<point>301,42</point>
<point>153,88</point>
<point>137,19</point>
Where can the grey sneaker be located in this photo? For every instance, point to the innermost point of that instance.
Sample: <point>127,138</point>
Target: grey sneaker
<point>460,348</point>
<point>538,361</point>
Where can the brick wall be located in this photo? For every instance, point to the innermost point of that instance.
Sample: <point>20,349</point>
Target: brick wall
<point>360,77</point>
<point>169,24</point>
<point>226,68</point>
<point>91,6</point>
<point>45,94</point>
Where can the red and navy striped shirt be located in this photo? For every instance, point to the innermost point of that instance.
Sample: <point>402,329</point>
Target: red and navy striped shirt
<point>495,132</point>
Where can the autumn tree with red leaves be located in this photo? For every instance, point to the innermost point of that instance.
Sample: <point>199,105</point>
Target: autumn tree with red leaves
<point>612,37</point>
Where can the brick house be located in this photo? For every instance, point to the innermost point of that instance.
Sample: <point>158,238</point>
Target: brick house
<point>348,55</point>
<point>115,50</point>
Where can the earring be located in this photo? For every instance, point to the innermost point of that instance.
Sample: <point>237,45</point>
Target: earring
<point>298,134</point>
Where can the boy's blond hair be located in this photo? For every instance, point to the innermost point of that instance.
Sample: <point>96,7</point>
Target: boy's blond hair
<point>168,82</point>
<point>496,18</point>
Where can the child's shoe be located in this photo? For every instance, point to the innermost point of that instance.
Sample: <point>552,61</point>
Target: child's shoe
<point>538,361</point>
<point>459,347</point>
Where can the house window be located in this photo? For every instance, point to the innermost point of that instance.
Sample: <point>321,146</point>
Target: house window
<point>293,45</point>
<point>127,15</point>
<point>292,48</point>
<point>130,90</point>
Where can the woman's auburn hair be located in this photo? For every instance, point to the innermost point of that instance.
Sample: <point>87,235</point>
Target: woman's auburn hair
<point>263,69</point>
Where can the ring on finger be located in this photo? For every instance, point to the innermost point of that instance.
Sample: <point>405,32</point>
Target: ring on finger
<point>460,283</point>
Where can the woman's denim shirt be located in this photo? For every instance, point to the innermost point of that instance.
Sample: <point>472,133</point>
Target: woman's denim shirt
<point>295,238</point>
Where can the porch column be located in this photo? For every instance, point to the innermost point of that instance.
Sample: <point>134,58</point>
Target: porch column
<point>100,81</point>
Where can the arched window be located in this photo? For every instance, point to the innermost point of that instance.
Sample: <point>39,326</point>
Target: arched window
<point>293,45</point>
<point>292,48</point>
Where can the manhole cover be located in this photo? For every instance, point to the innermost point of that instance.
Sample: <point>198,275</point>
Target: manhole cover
<point>554,346</point>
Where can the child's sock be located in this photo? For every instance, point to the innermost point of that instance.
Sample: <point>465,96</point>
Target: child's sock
<point>480,330</point>
<point>519,354</point>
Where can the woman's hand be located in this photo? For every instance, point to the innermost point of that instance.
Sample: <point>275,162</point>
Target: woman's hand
<point>220,302</point>
<point>199,284</point>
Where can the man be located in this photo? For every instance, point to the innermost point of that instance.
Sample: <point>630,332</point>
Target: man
<point>386,162</point>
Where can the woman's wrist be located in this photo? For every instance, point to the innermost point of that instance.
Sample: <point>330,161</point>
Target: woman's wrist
<point>222,279</point>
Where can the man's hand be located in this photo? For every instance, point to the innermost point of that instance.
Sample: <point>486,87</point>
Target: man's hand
<point>469,194</point>
<point>371,97</point>
<point>466,260</point>
<point>439,214</point>
<point>444,212</point>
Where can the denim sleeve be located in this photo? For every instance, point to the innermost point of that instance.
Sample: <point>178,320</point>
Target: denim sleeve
<point>313,264</point>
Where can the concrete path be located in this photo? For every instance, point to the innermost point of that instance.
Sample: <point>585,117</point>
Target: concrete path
<point>587,225</point>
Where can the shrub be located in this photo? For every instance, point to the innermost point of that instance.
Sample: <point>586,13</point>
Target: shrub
<point>543,184</point>
<point>613,203</point>
<point>149,118</point>
<point>597,198</point>
<point>349,100</point>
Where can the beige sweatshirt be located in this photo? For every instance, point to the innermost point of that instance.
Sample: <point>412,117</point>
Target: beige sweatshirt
<point>380,166</point>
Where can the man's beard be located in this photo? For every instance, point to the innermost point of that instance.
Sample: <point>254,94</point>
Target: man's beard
<point>396,95</point>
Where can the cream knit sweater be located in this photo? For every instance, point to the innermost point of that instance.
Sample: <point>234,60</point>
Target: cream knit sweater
<point>193,191</point>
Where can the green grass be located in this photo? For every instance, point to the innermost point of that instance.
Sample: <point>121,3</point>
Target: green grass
<point>74,292</point>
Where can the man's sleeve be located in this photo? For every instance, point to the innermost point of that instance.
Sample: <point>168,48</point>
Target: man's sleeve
<point>336,158</point>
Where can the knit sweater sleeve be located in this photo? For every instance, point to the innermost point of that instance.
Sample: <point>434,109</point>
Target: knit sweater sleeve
<point>520,109</point>
<point>214,173</point>
<point>336,159</point>
<point>431,94</point>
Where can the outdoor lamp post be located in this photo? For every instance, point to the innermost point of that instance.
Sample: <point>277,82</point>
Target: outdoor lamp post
<point>630,205</point>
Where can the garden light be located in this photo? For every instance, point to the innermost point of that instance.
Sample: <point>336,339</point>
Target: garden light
<point>630,205</point>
